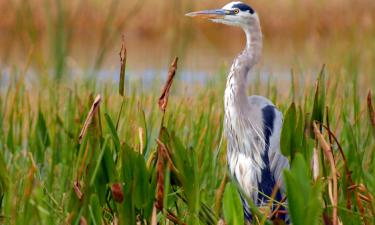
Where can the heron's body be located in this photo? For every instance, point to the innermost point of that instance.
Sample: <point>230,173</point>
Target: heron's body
<point>252,124</point>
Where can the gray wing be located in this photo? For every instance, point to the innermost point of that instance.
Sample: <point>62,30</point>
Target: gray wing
<point>278,162</point>
<point>273,119</point>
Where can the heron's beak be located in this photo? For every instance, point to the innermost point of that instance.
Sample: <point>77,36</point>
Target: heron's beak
<point>209,14</point>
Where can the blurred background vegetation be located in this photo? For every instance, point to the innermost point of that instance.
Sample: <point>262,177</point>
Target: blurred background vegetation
<point>86,34</point>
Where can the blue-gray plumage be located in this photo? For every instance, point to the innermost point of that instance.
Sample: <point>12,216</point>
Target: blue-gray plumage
<point>252,124</point>
<point>267,181</point>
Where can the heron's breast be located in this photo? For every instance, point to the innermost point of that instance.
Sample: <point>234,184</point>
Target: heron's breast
<point>244,173</point>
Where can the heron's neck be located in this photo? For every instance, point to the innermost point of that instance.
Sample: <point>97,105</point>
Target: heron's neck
<point>237,79</point>
<point>254,43</point>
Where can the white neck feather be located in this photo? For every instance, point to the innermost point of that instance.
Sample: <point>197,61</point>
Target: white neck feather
<point>237,79</point>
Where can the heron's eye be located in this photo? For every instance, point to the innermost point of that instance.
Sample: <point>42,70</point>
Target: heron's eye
<point>236,11</point>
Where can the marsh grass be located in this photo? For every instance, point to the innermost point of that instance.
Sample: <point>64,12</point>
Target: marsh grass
<point>58,169</point>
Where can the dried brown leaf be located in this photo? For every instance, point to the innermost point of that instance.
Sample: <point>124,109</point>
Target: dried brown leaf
<point>172,217</point>
<point>347,171</point>
<point>69,218</point>
<point>30,176</point>
<point>352,187</point>
<point>94,108</point>
<point>163,155</point>
<point>83,163</point>
<point>77,190</point>
<point>219,194</point>
<point>167,156</point>
<point>160,177</point>
<point>163,100</point>
<point>329,154</point>
<point>365,198</point>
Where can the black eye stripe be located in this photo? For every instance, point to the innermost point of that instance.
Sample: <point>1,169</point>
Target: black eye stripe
<point>243,7</point>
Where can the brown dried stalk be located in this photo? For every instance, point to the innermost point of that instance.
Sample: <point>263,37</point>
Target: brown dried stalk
<point>172,217</point>
<point>123,65</point>
<point>154,220</point>
<point>30,176</point>
<point>82,166</point>
<point>167,155</point>
<point>77,190</point>
<point>365,198</point>
<point>315,164</point>
<point>221,222</point>
<point>371,110</point>
<point>160,177</point>
<point>163,100</point>
<point>219,194</point>
<point>140,135</point>
<point>82,221</point>
<point>162,151</point>
<point>163,155</point>
<point>89,117</point>
<point>277,211</point>
<point>115,220</point>
<point>348,175</point>
<point>69,218</point>
<point>329,154</point>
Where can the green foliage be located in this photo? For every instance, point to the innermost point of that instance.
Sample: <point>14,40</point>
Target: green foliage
<point>186,164</point>
<point>297,122</point>
<point>95,210</point>
<point>319,98</point>
<point>41,137</point>
<point>287,141</point>
<point>304,200</point>
<point>119,148</point>
<point>293,138</point>
<point>138,187</point>
<point>114,135</point>
<point>232,206</point>
<point>4,178</point>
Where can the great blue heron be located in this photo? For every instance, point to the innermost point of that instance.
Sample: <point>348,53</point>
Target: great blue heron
<point>252,124</point>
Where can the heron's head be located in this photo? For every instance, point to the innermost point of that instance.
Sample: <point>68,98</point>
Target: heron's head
<point>233,13</point>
